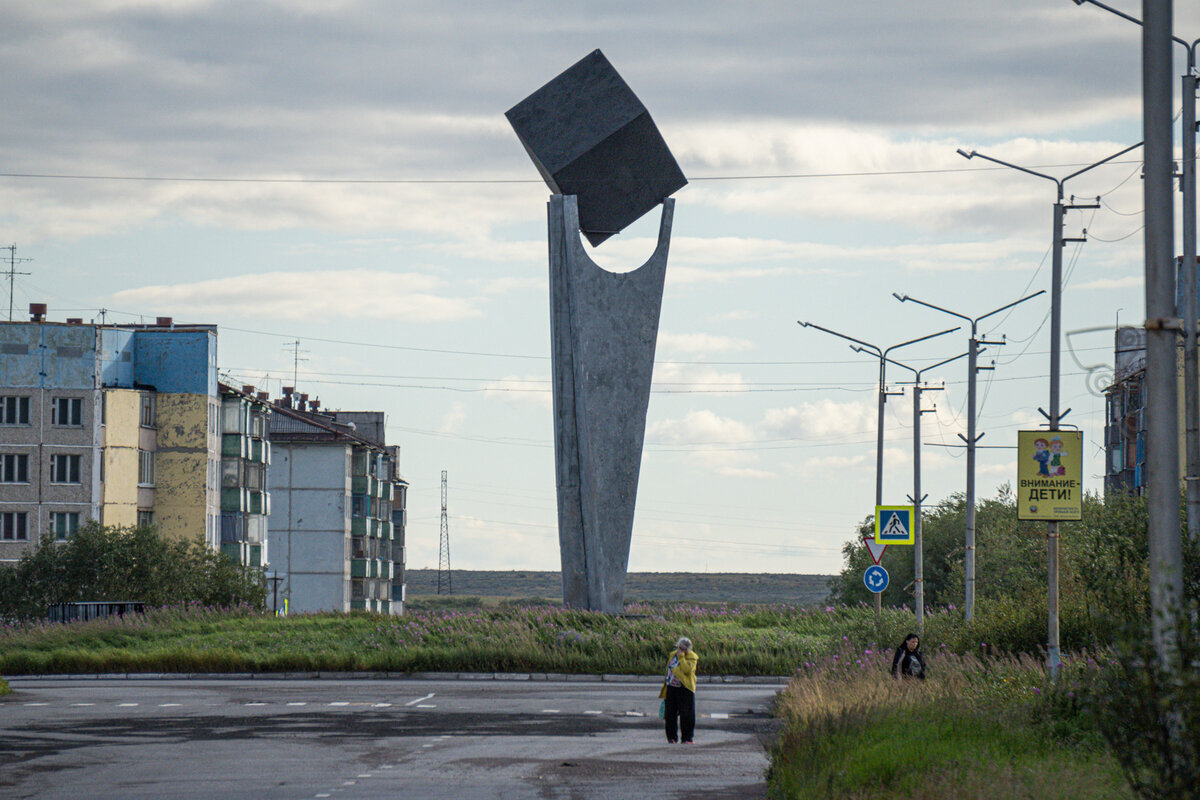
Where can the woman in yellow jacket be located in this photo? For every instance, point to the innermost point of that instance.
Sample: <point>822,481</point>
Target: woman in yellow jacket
<point>679,692</point>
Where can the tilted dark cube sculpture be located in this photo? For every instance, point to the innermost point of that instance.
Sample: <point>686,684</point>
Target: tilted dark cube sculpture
<point>590,136</point>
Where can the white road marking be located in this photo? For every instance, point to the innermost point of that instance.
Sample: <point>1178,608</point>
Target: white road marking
<point>593,712</point>
<point>419,699</point>
<point>298,703</point>
<point>254,704</point>
<point>83,704</point>
<point>37,704</point>
<point>718,716</point>
<point>168,705</point>
<point>126,705</point>
<point>634,714</point>
<point>340,703</point>
<point>323,794</point>
<point>426,705</point>
<point>365,775</point>
<point>551,711</point>
<point>426,745</point>
<point>381,705</point>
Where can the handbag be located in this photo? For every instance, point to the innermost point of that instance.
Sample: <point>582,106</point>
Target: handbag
<point>662,709</point>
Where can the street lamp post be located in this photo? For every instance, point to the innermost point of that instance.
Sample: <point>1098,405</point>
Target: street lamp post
<point>917,497</point>
<point>970,439</point>
<point>1053,655</point>
<point>881,354</point>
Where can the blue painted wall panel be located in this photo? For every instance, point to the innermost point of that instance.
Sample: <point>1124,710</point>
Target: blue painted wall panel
<point>177,361</point>
<point>117,355</point>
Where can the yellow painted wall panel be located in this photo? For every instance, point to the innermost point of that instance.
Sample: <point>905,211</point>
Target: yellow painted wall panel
<point>182,497</point>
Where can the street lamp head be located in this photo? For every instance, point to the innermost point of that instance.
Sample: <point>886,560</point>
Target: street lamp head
<point>900,297</point>
<point>802,323</point>
<point>965,154</point>
<point>1078,2</point>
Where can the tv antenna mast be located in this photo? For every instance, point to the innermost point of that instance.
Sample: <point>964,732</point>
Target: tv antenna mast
<point>294,347</point>
<point>11,273</point>
<point>444,545</point>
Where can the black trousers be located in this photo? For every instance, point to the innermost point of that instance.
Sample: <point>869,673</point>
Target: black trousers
<point>680,713</point>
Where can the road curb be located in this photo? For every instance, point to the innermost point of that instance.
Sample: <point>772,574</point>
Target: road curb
<point>391,676</point>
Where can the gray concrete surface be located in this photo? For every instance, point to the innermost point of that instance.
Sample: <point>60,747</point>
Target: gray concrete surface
<point>188,739</point>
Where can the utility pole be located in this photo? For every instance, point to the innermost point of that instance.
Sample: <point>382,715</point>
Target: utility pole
<point>973,368</point>
<point>1162,329</point>
<point>1053,654</point>
<point>916,498</point>
<point>1187,275</point>
<point>881,354</point>
<point>11,273</point>
<point>444,545</point>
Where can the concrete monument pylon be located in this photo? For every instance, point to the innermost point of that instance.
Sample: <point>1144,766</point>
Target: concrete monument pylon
<point>595,145</point>
<point>604,328</point>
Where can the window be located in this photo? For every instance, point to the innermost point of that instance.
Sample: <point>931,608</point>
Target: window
<point>149,418</point>
<point>64,524</point>
<point>14,410</point>
<point>103,408</point>
<point>65,469</point>
<point>254,477</point>
<point>145,467</point>
<point>145,518</point>
<point>67,411</point>
<point>14,468</point>
<point>13,526</point>
<point>358,506</point>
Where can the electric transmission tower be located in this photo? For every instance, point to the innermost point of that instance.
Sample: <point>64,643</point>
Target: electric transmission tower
<point>444,545</point>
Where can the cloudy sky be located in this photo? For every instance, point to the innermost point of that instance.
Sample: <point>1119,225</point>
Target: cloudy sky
<point>340,173</point>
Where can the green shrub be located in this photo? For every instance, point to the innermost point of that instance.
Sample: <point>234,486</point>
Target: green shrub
<point>124,564</point>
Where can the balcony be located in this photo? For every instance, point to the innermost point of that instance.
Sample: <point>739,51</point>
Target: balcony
<point>359,567</point>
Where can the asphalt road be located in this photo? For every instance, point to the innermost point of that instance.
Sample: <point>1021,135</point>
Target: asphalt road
<point>460,739</point>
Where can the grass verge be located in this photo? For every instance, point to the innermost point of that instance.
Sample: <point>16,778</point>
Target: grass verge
<point>979,727</point>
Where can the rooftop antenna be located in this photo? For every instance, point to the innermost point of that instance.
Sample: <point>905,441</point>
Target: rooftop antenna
<point>11,273</point>
<point>296,359</point>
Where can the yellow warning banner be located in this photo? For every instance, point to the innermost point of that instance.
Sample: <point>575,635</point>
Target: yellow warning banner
<point>1050,475</point>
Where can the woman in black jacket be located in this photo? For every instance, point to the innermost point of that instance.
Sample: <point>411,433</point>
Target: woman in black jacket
<point>909,662</point>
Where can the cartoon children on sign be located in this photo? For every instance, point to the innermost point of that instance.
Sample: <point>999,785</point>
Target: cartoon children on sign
<point>1057,453</point>
<point>1041,454</point>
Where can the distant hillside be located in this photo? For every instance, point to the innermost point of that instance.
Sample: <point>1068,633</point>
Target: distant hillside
<point>696,587</point>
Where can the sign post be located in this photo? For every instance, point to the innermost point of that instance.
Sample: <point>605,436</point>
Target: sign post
<point>874,549</point>
<point>894,525</point>
<point>875,578</point>
<point>1050,475</point>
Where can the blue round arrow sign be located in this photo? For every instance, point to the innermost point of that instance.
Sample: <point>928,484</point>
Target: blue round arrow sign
<point>875,578</point>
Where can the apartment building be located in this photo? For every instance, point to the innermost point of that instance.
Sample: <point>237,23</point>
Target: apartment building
<point>116,423</point>
<point>334,487</point>
<point>245,459</point>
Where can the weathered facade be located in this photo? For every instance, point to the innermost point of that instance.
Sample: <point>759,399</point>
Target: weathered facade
<point>331,532</point>
<point>106,422</point>
<point>1125,417</point>
<point>245,459</point>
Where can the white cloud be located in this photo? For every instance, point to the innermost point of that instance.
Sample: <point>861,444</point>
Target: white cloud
<point>453,419</point>
<point>699,427</point>
<point>699,343</point>
<point>301,295</point>
<point>1128,282</point>
<point>823,419</point>
<point>521,391</point>
<point>677,378</point>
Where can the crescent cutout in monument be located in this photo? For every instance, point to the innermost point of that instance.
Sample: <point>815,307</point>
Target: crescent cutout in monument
<point>606,163</point>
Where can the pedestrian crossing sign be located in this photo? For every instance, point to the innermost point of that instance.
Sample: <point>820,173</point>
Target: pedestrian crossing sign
<point>894,525</point>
